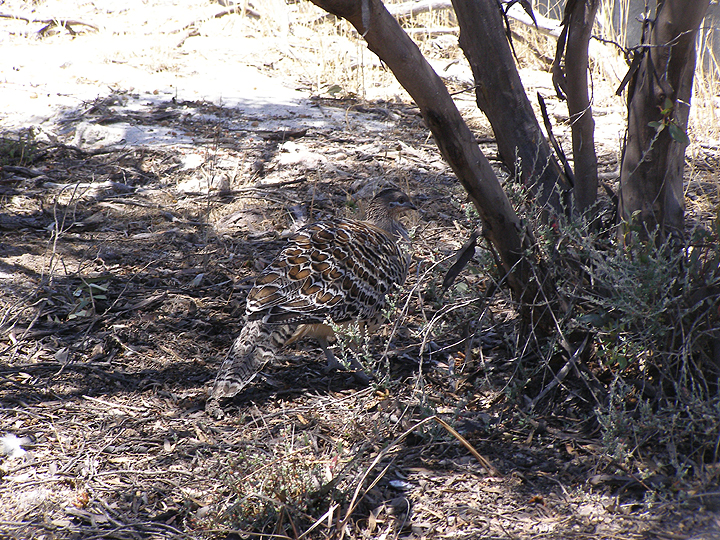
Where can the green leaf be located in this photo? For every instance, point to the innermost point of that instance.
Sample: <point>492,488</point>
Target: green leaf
<point>97,286</point>
<point>462,288</point>
<point>657,125</point>
<point>667,107</point>
<point>334,89</point>
<point>678,135</point>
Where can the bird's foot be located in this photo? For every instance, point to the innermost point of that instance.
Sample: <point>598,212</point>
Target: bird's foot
<point>334,365</point>
<point>361,377</point>
<point>356,370</point>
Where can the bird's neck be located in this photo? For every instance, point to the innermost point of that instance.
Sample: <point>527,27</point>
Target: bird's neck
<point>380,217</point>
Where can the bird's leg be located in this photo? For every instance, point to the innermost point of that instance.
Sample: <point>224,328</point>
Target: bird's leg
<point>334,364</point>
<point>331,360</point>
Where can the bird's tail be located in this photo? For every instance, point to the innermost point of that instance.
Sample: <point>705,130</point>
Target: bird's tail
<point>256,345</point>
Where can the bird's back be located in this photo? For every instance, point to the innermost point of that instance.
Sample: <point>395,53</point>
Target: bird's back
<point>338,268</point>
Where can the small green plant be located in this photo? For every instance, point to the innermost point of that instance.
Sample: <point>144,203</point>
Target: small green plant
<point>667,121</point>
<point>650,311</point>
<point>682,431</point>
<point>355,348</point>
<point>19,151</point>
<point>334,90</point>
<point>87,294</point>
<point>353,343</point>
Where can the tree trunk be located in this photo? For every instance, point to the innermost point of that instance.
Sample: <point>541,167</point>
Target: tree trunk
<point>579,17</point>
<point>501,96</point>
<point>457,144</point>
<point>651,175</point>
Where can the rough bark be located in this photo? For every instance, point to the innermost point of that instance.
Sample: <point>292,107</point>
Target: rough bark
<point>651,175</point>
<point>457,144</point>
<point>501,96</point>
<point>579,19</point>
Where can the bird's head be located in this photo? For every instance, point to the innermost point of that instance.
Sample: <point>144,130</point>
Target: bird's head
<point>386,208</point>
<point>397,202</point>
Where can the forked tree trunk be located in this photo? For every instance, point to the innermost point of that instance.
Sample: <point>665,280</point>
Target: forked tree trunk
<point>457,144</point>
<point>651,175</point>
<point>573,82</point>
<point>501,96</point>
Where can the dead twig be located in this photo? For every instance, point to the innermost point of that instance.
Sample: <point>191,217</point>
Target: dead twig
<point>483,461</point>
<point>52,23</point>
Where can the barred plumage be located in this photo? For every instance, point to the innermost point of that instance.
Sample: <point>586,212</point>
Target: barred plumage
<point>337,269</point>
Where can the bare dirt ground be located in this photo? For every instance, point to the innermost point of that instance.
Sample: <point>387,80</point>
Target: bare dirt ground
<point>164,160</point>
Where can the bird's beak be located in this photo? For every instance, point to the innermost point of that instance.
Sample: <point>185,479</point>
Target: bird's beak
<point>407,205</point>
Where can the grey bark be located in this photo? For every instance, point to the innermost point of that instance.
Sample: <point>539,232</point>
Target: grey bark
<point>651,174</point>
<point>500,95</point>
<point>572,83</point>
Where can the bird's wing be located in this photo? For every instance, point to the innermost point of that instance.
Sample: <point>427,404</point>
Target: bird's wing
<point>336,268</point>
